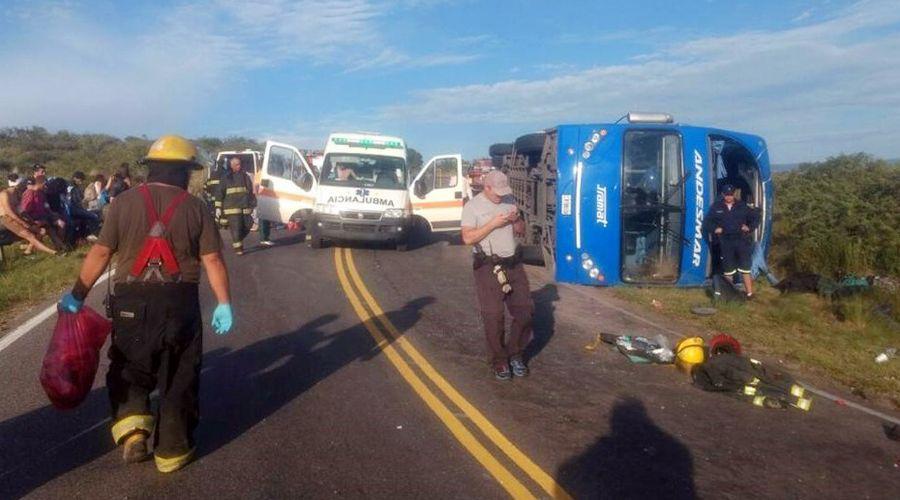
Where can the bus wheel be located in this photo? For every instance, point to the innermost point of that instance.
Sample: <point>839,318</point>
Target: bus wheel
<point>316,241</point>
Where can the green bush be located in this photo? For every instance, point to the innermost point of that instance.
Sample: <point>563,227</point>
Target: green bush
<point>837,217</point>
<point>64,152</point>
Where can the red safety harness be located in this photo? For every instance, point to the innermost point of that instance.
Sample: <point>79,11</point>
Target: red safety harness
<point>156,252</point>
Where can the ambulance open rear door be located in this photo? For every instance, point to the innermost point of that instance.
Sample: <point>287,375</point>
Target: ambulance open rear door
<point>438,193</point>
<point>288,186</point>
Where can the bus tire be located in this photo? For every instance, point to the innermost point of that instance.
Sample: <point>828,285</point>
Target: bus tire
<point>316,241</point>
<point>501,149</point>
<point>530,144</point>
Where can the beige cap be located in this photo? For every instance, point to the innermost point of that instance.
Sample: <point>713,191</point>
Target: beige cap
<point>498,181</point>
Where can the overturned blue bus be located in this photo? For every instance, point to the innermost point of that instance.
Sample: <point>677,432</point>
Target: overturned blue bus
<point>623,203</point>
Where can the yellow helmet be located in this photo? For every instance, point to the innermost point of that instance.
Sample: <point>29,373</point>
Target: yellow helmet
<point>689,352</point>
<point>175,149</point>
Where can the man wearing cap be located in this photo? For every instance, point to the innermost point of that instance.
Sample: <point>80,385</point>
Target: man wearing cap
<point>488,222</point>
<point>161,236</point>
<point>732,223</point>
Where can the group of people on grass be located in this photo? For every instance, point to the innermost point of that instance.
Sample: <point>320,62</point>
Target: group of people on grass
<point>66,211</point>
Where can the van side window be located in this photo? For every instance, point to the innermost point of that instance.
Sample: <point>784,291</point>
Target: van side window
<point>296,167</point>
<point>445,173</point>
<point>428,177</point>
<point>280,160</point>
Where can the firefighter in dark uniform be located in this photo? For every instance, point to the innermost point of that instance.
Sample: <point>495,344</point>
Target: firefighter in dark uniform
<point>160,236</point>
<point>211,188</point>
<point>488,224</point>
<point>238,202</point>
<point>732,223</point>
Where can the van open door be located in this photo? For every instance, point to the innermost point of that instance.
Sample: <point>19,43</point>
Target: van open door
<point>288,186</point>
<point>438,192</point>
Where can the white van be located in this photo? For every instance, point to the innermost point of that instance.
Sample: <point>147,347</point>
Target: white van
<point>362,191</point>
<point>250,161</point>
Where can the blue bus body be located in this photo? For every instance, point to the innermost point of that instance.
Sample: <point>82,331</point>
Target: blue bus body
<point>631,198</point>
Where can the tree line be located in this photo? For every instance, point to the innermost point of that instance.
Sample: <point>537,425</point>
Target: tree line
<point>832,217</point>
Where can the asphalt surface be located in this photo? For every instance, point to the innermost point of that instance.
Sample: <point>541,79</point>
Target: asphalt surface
<point>318,394</point>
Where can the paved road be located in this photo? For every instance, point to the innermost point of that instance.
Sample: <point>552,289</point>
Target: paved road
<point>361,373</point>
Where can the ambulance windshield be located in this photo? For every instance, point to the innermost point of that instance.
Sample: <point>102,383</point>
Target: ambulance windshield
<point>364,170</point>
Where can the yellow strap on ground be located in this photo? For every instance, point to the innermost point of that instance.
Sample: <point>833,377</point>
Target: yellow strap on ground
<point>546,482</point>
<point>512,485</point>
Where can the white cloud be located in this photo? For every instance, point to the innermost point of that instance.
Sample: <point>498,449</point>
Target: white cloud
<point>791,86</point>
<point>806,14</point>
<point>73,69</point>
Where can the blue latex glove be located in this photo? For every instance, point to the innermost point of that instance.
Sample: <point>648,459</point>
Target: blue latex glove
<point>222,319</point>
<point>70,304</point>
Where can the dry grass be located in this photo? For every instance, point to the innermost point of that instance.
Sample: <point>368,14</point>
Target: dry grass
<point>838,339</point>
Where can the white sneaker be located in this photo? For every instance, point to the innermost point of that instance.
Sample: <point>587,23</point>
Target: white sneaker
<point>267,243</point>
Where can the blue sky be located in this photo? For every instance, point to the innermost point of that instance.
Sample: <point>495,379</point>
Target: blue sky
<point>813,78</point>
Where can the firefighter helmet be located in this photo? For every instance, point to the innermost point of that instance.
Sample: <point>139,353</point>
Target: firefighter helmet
<point>174,149</point>
<point>724,343</point>
<point>689,352</point>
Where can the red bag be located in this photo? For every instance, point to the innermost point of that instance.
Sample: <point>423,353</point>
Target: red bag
<point>73,356</point>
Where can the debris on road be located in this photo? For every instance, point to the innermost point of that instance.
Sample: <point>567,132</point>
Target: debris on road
<point>888,354</point>
<point>644,350</point>
<point>593,345</point>
<point>750,380</point>
<point>701,310</point>
<point>601,338</point>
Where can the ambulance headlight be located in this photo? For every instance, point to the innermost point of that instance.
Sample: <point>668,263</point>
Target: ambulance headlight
<point>326,209</point>
<point>395,213</point>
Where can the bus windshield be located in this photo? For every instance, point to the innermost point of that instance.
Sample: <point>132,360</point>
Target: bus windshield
<point>652,206</point>
<point>364,170</point>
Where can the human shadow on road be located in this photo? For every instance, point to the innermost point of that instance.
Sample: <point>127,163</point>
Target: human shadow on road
<point>544,325</point>
<point>239,389</point>
<point>44,443</point>
<point>636,459</point>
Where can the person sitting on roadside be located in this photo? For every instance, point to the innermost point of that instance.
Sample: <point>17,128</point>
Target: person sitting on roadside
<point>34,209</point>
<point>92,199</point>
<point>83,222</point>
<point>12,222</point>
<point>119,182</point>
<point>39,172</point>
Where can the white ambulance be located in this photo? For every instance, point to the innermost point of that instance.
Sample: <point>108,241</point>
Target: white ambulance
<point>362,192</point>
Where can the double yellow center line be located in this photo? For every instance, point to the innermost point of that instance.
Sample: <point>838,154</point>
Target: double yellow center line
<point>387,337</point>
